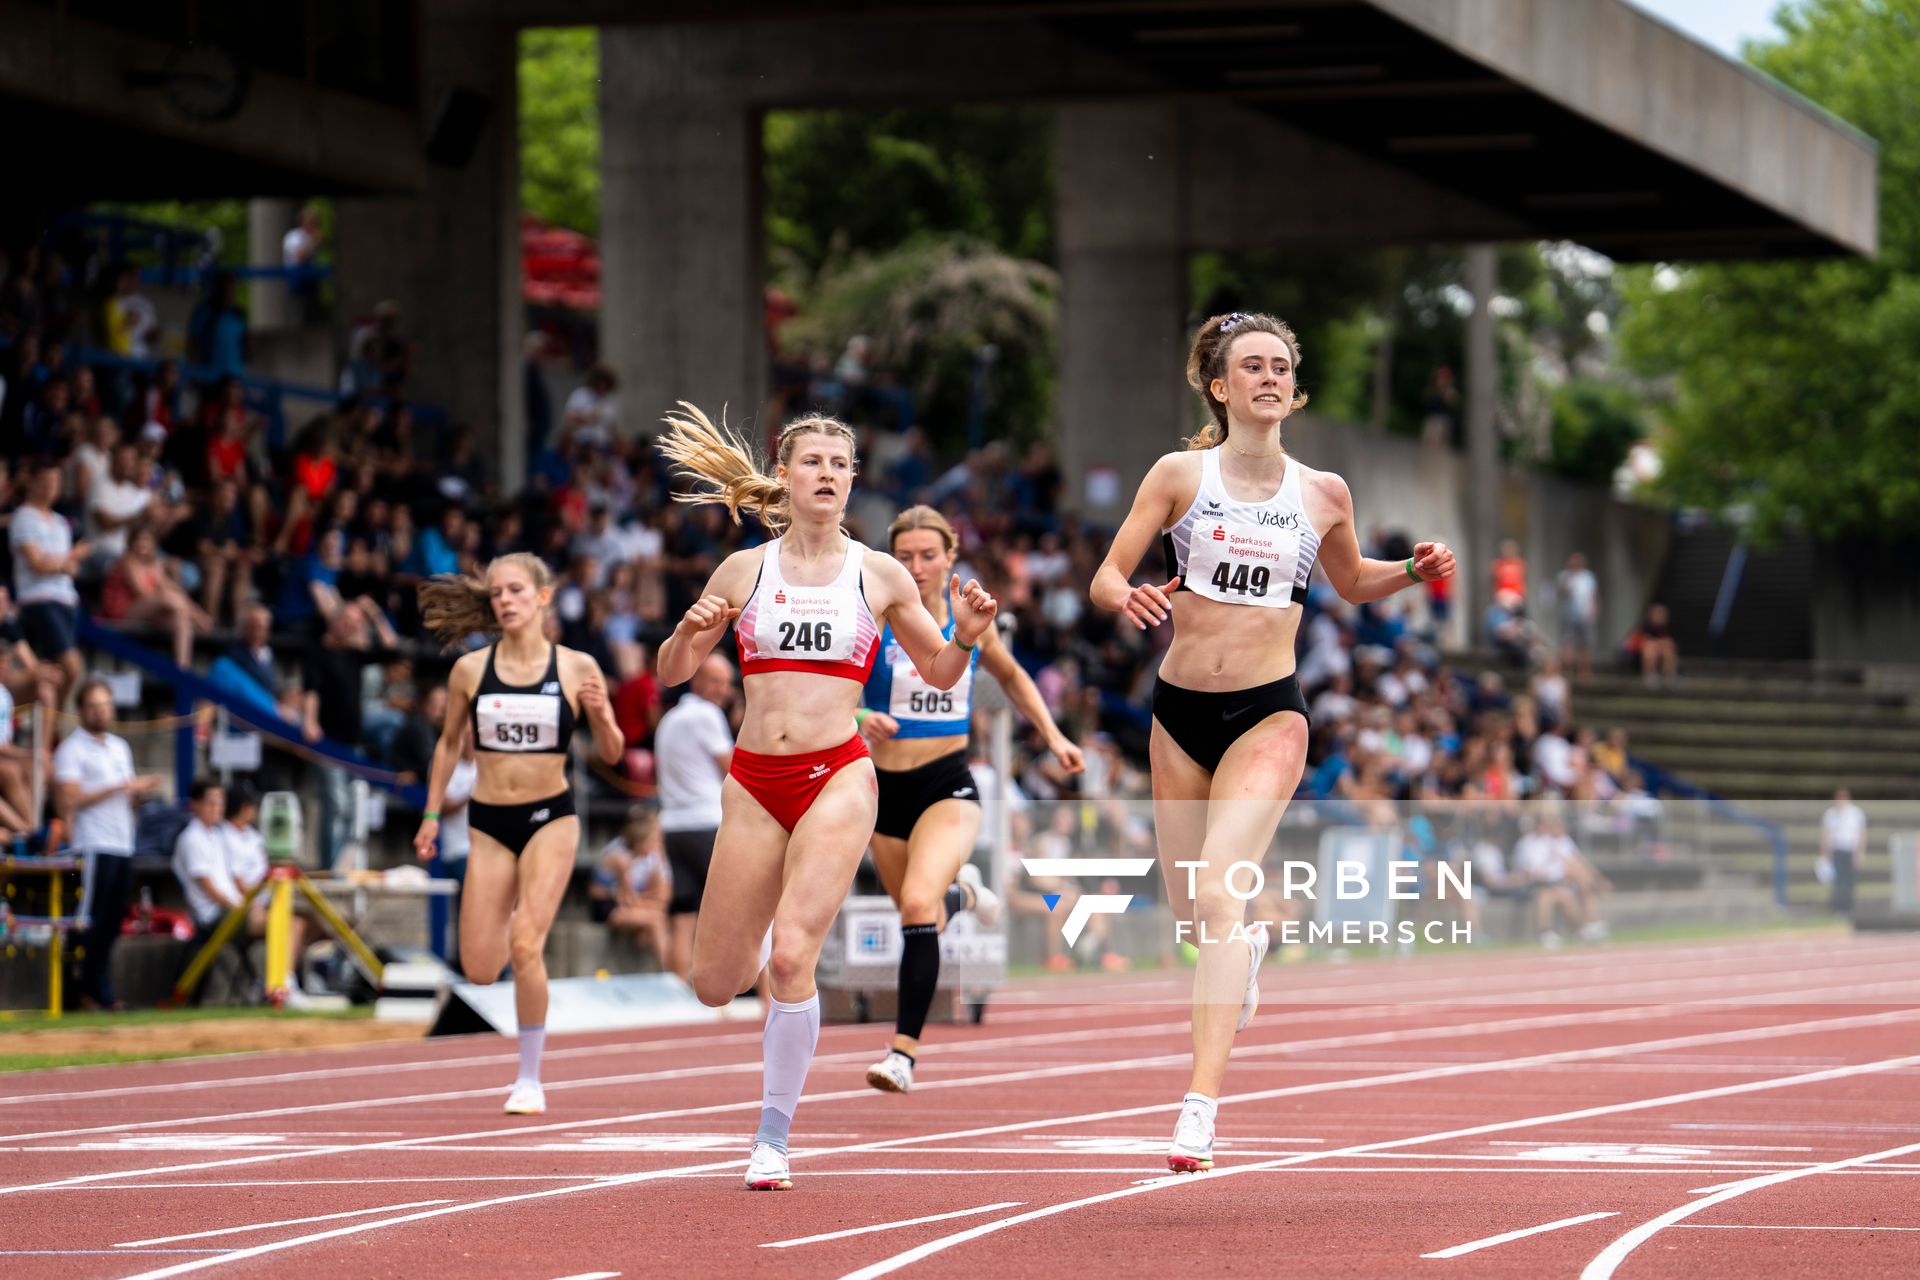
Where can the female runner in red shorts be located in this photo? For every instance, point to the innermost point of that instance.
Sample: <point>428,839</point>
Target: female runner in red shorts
<point>798,805</point>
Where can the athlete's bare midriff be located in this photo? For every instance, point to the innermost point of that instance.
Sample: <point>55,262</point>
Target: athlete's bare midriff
<point>505,778</point>
<point>897,755</point>
<point>1218,647</point>
<point>789,712</point>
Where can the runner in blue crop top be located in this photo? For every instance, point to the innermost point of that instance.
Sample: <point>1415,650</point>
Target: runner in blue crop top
<point>929,806</point>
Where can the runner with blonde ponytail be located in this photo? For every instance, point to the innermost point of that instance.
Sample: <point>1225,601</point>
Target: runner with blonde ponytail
<point>518,698</point>
<point>798,804</point>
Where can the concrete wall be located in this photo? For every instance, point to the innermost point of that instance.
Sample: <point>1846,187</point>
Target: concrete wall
<point>681,247</point>
<point>1400,483</point>
<point>450,255</point>
<point>1866,603</point>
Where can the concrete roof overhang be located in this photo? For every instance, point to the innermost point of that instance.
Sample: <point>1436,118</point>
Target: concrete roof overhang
<point>1587,120</point>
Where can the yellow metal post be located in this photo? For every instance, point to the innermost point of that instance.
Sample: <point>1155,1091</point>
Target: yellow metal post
<point>279,925</point>
<point>337,925</point>
<point>56,947</point>
<point>222,934</point>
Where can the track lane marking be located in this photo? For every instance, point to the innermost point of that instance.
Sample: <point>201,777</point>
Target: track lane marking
<point>1397,1009</point>
<point>888,1265</point>
<point>1331,987</point>
<point>736,1163</point>
<point>1439,1030</point>
<point>891,1226</point>
<point>283,1222</point>
<point>1609,1259</point>
<point>1474,1246</point>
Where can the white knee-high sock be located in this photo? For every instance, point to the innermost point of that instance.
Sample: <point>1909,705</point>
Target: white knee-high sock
<point>792,1032</point>
<point>532,1041</point>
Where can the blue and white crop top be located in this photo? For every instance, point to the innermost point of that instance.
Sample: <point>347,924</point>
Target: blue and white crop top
<point>923,711</point>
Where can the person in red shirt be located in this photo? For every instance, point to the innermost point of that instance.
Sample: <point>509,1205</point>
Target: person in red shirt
<point>1510,570</point>
<point>636,709</point>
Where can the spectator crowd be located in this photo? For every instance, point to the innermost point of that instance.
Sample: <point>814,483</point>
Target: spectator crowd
<point>173,511</point>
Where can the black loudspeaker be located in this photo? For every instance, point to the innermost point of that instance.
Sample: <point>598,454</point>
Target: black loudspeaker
<point>458,122</point>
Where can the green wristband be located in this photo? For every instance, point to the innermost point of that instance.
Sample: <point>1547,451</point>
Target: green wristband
<point>860,715</point>
<point>431,815</point>
<point>1410,573</point>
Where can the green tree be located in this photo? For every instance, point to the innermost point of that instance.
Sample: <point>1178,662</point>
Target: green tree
<point>1794,388</point>
<point>867,181</point>
<point>1595,422</point>
<point>930,307</point>
<point>560,126</point>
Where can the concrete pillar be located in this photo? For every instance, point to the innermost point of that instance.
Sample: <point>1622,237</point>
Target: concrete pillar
<point>450,255</point>
<point>681,277</point>
<point>267,222</point>
<point>1123,394</point>
<point>1484,481</point>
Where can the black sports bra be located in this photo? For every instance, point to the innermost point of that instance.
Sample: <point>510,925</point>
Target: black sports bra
<point>534,718</point>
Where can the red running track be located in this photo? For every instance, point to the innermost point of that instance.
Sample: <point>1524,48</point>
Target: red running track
<point>1746,1107</point>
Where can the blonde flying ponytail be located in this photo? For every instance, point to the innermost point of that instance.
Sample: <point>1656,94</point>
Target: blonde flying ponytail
<point>727,467</point>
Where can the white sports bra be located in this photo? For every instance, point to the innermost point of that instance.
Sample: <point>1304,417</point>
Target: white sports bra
<point>1252,553</point>
<point>827,630</point>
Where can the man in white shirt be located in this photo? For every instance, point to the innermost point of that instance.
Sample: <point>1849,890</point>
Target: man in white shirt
<point>691,751</point>
<point>96,788</point>
<point>592,413</point>
<point>45,557</point>
<point>115,503</point>
<point>1843,843</point>
<point>219,858</point>
<point>16,763</point>
<point>201,858</point>
<point>1562,880</point>
<point>300,247</point>
<point>1579,615</point>
<point>456,831</point>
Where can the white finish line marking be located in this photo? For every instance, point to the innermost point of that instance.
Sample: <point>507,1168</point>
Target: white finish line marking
<point>1473,1246</point>
<point>283,1222</point>
<point>889,1226</point>
<point>592,1275</point>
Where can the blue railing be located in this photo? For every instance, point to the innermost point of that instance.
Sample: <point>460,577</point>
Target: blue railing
<point>127,235</point>
<point>190,688</point>
<point>267,396</point>
<point>171,274</point>
<point>1659,780</point>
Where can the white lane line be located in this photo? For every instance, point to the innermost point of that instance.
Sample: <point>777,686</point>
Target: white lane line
<point>1473,978</point>
<point>888,1265</point>
<point>283,1222</point>
<point>734,1164</point>
<point>378,1068</point>
<point>890,1226</point>
<point>1580,1017</point>
<point>1474,1246</point>
<point>1608,1259</point>
<point>1044,1038</point>
<point>592,1275</point>
<point>643,1077</point>
<point>1774,1226</point>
